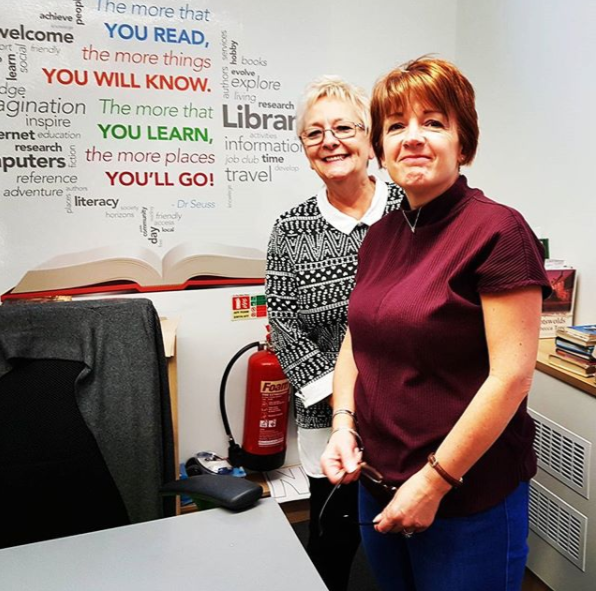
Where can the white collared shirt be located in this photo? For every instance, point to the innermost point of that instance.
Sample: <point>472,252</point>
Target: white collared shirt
<point>346,223</point>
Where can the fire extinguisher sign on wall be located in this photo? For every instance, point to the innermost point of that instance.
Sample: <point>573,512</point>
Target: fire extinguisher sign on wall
<point>274,404</point>
<point>247,307</point>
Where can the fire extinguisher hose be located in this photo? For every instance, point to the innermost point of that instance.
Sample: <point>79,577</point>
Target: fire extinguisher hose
<point>234,450</point>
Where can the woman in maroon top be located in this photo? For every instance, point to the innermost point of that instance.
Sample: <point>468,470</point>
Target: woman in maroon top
<point>439,356</point>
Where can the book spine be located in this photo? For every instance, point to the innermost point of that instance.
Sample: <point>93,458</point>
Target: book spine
<point>571,367</point>
<point>585,332</point>
<point>131,287</point>
<point>578,357</point>
<point>573,347</point>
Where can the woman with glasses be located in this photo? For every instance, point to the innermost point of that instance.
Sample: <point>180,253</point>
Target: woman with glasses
<point>311,263</point>
<point>439,355</point>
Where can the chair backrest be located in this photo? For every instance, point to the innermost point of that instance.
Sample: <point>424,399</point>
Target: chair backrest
<point>54,481</point>
<point>85,426</point>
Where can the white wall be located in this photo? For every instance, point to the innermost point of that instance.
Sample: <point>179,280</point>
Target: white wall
<point>298,41</point>
<point>532,64</point>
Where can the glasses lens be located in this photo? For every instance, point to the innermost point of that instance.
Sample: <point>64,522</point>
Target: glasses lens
<point>312,135</point>
<point>344,129</point>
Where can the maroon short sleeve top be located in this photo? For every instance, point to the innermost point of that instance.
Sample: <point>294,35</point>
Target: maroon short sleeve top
<point>419,342</point>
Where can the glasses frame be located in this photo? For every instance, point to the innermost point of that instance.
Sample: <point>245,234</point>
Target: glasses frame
<point>309,143</point>
<point>367,471</point>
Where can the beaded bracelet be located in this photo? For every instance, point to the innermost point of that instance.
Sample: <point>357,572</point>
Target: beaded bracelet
<point>434,464</point>
<point>350,430</point>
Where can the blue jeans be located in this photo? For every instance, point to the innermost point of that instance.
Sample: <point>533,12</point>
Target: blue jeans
<point>482,552</point>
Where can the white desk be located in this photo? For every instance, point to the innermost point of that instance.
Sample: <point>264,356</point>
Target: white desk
<point>213,550</point>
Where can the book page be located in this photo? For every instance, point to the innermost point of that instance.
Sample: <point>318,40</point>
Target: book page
<point>118,262</point>
<point>193,258</point>
<point>103,253</point>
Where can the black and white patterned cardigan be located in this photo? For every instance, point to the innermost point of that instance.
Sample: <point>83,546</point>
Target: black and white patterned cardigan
<point>311,268</point>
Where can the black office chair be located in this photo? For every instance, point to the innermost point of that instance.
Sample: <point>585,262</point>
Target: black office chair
<point>54,481</point>
<point>214,490</point>
<point>86,439</point>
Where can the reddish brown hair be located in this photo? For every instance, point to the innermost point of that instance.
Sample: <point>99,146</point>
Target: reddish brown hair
<point>432,82</point>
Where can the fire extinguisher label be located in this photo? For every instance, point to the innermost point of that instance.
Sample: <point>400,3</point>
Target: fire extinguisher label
<point>246,307</point>
<point>274,402</point>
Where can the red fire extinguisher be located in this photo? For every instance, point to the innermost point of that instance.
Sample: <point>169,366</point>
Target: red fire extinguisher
<point>265,414</point>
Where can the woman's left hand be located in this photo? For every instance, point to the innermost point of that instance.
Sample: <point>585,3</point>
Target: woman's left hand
<point>414,505</point>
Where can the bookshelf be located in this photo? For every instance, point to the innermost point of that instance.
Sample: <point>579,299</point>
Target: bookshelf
<point>546,347</point>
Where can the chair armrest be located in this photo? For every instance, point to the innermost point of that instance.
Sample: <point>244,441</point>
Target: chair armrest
<point>227,491</point>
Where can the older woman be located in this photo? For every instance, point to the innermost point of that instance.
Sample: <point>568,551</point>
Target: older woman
<point>311,263</point>
<point>439,356</point>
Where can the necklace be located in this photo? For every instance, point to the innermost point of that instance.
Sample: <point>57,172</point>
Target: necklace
<point>412,226</point>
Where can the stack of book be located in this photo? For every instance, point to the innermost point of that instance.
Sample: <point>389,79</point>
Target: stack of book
<point>574,350</point>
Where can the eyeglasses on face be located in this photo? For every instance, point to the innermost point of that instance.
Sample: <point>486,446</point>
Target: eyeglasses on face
<point>366,471</point>
<point>342,130</point>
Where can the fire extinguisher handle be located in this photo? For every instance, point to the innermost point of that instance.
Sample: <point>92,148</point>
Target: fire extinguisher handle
<point>235,451</point>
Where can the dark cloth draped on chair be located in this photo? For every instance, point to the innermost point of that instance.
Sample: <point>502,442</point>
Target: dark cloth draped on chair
<point>83,387</point>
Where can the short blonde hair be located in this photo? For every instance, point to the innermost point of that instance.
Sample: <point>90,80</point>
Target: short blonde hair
<point>336,88</point>
<point>429,81</point>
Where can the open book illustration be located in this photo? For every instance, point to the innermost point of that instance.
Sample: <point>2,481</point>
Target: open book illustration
<point>184,265</point>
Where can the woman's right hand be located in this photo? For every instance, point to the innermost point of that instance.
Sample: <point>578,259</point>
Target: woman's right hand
<point>342,456</point>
